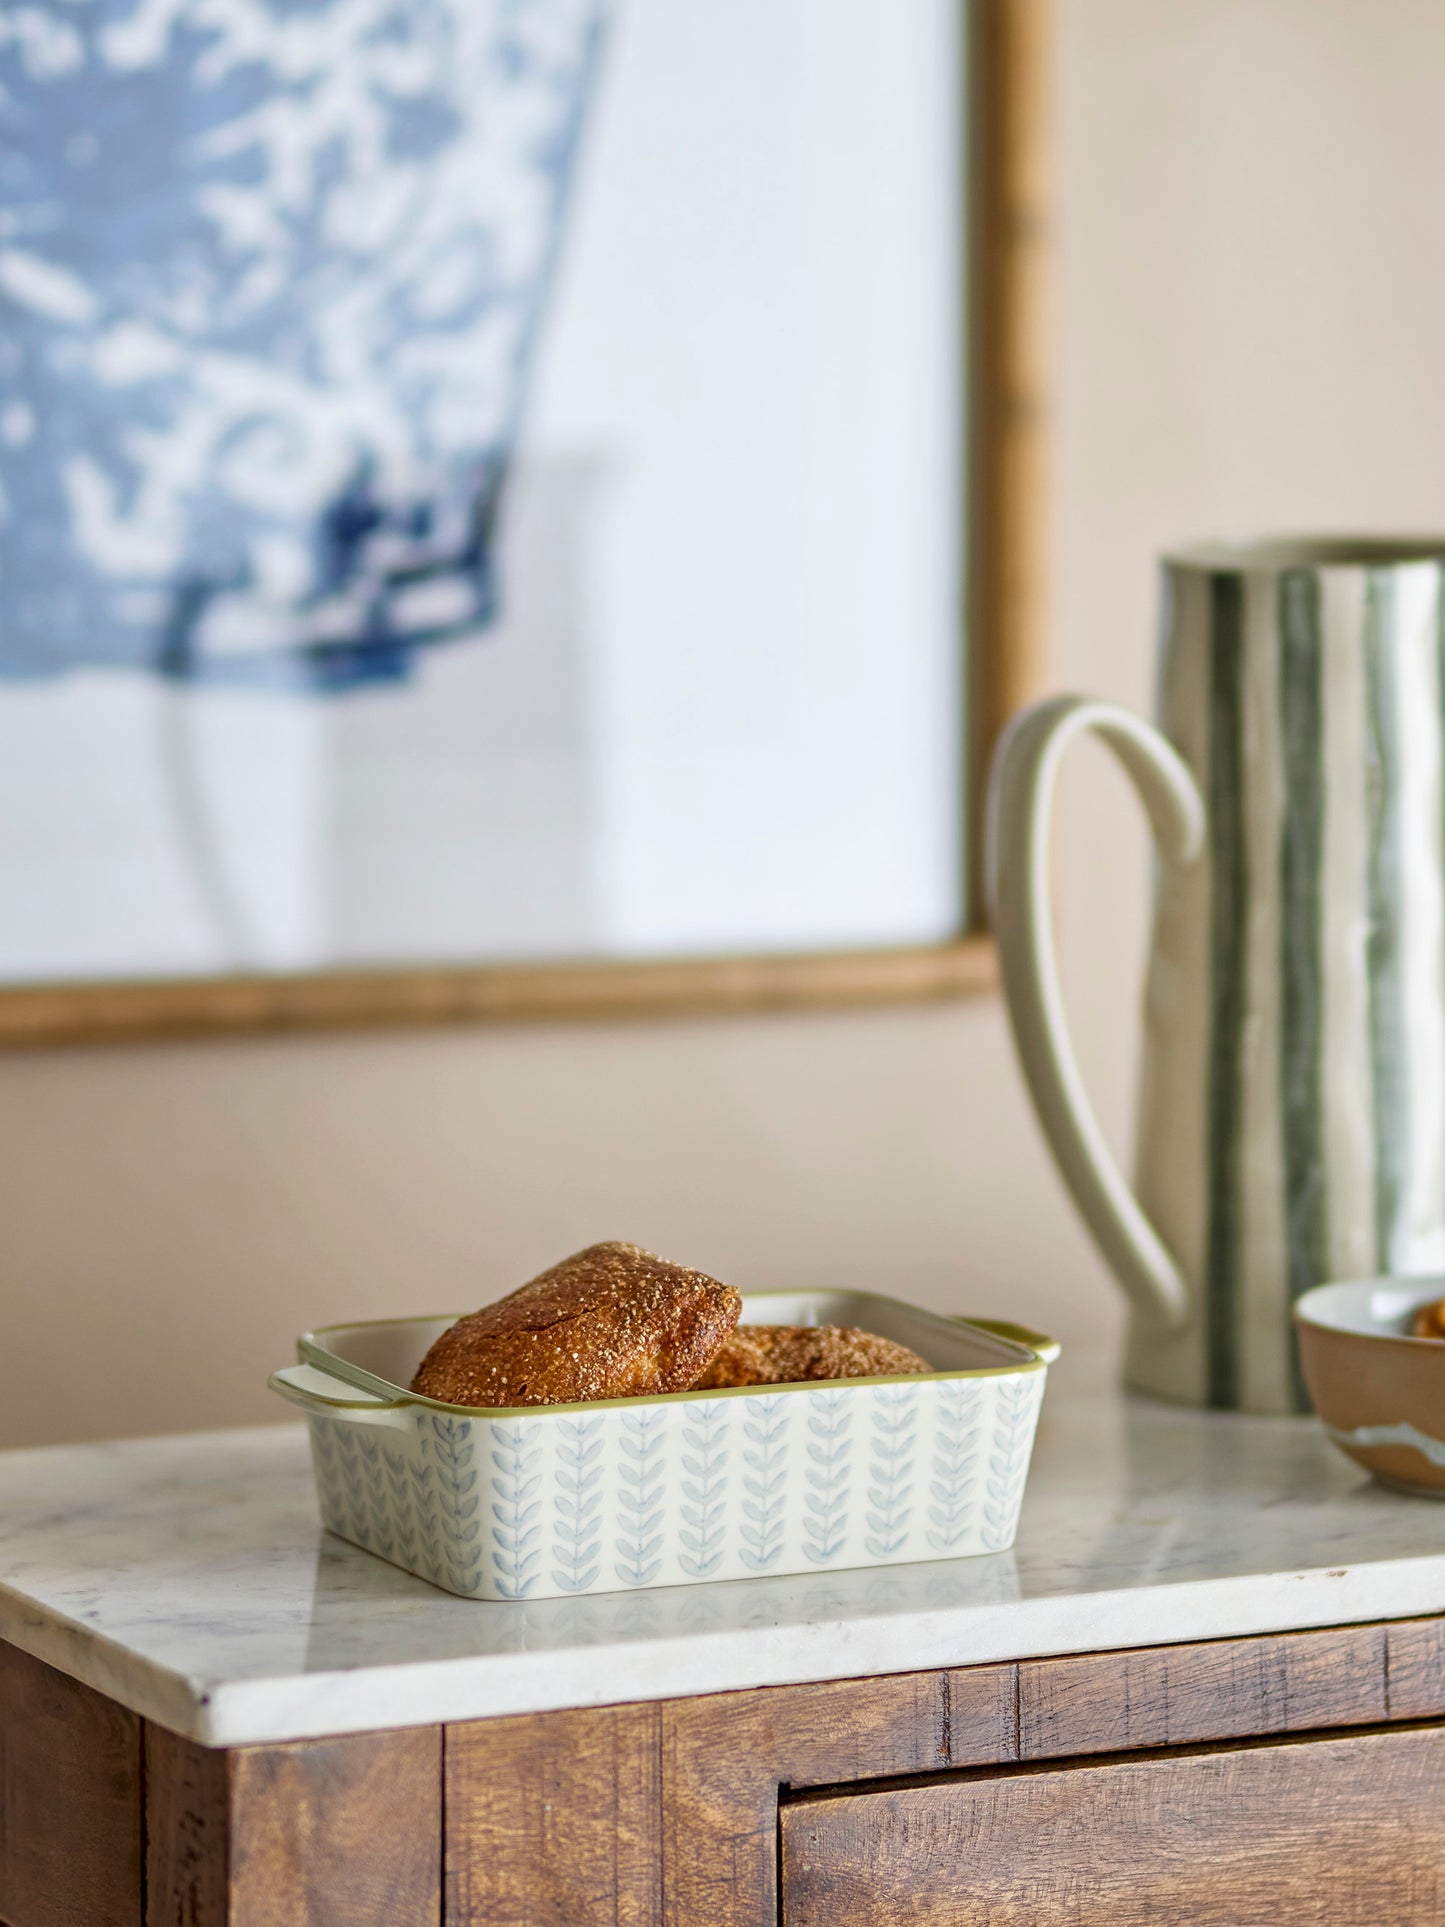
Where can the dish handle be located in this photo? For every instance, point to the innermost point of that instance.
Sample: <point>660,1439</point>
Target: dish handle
<point>1047,1349</point>
<point>320,1394</point>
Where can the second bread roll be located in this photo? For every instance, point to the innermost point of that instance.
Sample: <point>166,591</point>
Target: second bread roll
<point>798,1354</point>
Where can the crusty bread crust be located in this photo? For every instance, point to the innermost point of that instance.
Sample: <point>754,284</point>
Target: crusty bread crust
<point>797,1354</point>
<point>613,1321</point>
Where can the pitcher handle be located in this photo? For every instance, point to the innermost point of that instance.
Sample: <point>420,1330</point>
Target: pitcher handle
<point>1021,789</point>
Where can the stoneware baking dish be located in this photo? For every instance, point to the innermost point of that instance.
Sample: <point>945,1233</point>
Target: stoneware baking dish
<point>1379,1391</point>
<point>538,1502</point>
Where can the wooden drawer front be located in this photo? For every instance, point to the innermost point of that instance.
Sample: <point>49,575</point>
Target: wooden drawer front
<point>70,1791</point>
<point>1343,1831</point>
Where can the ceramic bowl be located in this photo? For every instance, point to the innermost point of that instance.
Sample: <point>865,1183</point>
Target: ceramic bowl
<point>1380,1392</point>
<point>625,1493</point>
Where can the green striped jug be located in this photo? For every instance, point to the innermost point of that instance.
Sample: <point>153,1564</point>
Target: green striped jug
<point>1292,1107</point>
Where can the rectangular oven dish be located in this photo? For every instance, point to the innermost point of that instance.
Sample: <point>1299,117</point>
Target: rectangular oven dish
<point>542,1501</point>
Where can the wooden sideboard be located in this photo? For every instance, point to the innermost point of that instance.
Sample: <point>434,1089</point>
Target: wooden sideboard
<point>1281,1779</point>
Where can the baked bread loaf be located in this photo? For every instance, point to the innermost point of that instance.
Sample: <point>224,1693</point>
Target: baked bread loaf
<point>613,1321</point>
<point>795,1354</point>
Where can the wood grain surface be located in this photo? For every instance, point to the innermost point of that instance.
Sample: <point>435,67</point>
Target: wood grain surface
<point>726,1755</point>
<point>1222,1689</point>
<point>70,1805</point>
<point>332,1833</point>
<point>1344,1831</point>
<point>45,1015</point>
<point>625,1815</point>
<point>554,1820</point>
<point>1414,1668</point>
<point>187,1832</point>
<point>1010,114</point>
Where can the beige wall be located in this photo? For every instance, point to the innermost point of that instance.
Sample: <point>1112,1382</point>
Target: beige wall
<point>1250,292</point>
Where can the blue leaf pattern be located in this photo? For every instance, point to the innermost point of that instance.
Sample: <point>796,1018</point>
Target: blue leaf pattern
<point>704,1488</point>
<point>454,1500</point>
<point>427,1512</point>
<point>775,1482</point>
<point>890,1469</point>
<point>1008,1460</point>
<point>825,1506</point>
<point>954,1486</point>
<point>765,1430</point>
<point>373,1491</point>
<point>639,1498</point>
<point>353,1510</point>
<point>516,1507</point>
<point>325,1457</point>
<point>577,1503</point>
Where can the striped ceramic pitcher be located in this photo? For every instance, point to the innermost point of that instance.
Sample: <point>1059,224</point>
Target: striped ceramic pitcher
<point>1292,1108</point>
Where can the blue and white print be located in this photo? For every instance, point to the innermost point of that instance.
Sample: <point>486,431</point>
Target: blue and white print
<point>675,1491</point>
<point>890,1468</point>
<point>827,1477</point>
<point>765,1455</point>
<point>641,1476</point>
<point>704,1487</point>
<point>577,1503</point>
<point>270,280</point>
<point>1015,1412</point>
<point>953,1489</point>
<point>516,1509</point>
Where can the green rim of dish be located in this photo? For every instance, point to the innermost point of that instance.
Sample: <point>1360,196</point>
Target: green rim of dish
<point>1002,1331</point>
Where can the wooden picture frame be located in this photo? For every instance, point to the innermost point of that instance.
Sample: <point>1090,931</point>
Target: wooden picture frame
<point>1008,65</point>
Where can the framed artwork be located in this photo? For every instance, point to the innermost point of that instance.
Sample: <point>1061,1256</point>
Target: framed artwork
<point>508,507</point>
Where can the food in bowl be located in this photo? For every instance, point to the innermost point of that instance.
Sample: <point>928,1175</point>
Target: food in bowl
<point>613,1321</point>
<point>1429,1320</point>
<point>616,1321</point>
<point>542,1502</point>
<point>799,1354</point>
<point>1378,1386</point>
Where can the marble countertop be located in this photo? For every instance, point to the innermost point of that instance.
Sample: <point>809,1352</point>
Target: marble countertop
<point>189,1578</point>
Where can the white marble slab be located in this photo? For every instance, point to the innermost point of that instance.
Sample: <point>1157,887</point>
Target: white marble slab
<point>189,1578</point>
